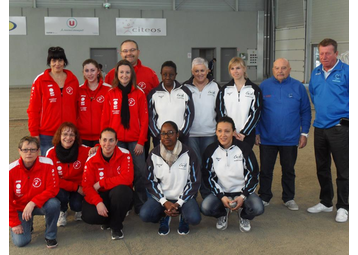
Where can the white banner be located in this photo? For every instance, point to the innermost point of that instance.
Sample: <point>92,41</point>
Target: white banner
<point>71,26</point>
<point>141,27</point>
<point>17,25</point>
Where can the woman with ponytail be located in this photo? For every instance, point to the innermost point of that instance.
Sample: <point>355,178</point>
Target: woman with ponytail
<point>125,110</point>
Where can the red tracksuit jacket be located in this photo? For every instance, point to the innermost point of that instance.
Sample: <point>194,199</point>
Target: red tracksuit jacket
<point>138,109</point>
<point>70,173</point>
<point>90,104</point>
<point>118,171</point>
<point>49,107</point>
<point>38,185</point>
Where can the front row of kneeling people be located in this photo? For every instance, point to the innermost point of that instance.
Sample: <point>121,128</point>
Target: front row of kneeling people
<point>103,193</point>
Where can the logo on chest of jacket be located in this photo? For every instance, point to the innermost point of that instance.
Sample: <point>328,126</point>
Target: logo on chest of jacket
<point>115,103</point>
<point>212,93</point>
<point>69,90</point>
<point>238,157</point>
<point>182,166</point>
<point>100,99</point>
<point>77,164</point>
<point>18,188</point>
<point>52,91</point>
<point>158,165</point>
<point>142,85</point>
<point>131,101</point>
<point>180,96</point>
<point>337,77</point>
<point>218,159</point>
<point>83,100</point>
<point>59,170</point>
<point>37,182</point>
<point>249,94</point>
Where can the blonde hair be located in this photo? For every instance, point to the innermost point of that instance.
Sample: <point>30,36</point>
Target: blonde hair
<point>240,61</point>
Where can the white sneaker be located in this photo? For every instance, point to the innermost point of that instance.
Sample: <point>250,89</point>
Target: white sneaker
<point>78,216</point>
<point>342,215</point>
<point>62,220</point>
<point>265,203</point>
<point>244,223</point>
<point>319,208</point>
<point>291,204</point>
<point>223,221</point>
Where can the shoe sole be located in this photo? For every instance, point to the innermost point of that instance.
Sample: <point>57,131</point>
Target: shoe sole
<point>164,234</point>
<point>324,210</point>
<point>244,230</point>
<point>183,233</point>
<point>117,237</point>
<point>51,247</point>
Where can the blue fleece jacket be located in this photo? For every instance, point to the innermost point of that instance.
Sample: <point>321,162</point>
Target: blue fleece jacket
<point>285,114</point>
<point>330,96</point>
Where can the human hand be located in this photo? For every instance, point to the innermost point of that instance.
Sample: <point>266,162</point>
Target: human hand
<point>239,202</point>
<point>102,209</point>
<point>303,142</point>
<point>93,150</point>
<point>27,213</point>
<point>80,191</point>
<point>257,140</point>
<point>226,202</point>
<point>171,209</point>
<point>18,230</point>
<point>96,186</point>
<point>138,149</point>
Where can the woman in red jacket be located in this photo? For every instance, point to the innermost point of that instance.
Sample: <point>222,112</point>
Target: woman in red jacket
<point>125,110</point>
<point>53,100</point>
<point>107,182</point>
<point>90,103</point>
<point>69,158</point>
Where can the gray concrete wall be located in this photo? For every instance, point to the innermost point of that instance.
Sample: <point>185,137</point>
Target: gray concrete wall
<point>185,30</point>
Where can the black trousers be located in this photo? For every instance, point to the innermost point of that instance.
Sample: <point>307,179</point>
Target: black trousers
<point>288,156</point>
<point>118,202</point>
<point>333,141</point>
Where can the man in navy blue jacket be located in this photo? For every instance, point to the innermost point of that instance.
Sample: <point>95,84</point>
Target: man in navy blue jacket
<point>329,89</point>
<point>284,126</point>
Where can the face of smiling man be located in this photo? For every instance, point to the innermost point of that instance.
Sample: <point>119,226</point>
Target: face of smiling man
<point>281,69</point>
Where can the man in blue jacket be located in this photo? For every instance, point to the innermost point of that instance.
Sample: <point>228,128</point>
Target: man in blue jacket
<point>284,126</point>
<point>329,89</point>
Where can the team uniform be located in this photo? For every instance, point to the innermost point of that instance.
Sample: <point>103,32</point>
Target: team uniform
<point>115,178</point>
<point>40,184</point>
<point>243,107</point>
<point>176,106</point>
<point>146,78</point>
<point>231,172</point>
<point>50,106</point>
<point>202,131</point>
<point>90,106</point>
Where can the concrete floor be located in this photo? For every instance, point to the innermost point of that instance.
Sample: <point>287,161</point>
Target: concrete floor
<point>277,231</point>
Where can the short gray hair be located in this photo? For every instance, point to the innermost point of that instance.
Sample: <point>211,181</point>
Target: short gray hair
<point>199,61</point>
<point>29,139</point>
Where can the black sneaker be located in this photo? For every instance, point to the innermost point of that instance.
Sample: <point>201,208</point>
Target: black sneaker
<point>183,227</point>
<point>51,243</point>
<point>117,234</point>
<point>164,226</point>
<point>105,227</point>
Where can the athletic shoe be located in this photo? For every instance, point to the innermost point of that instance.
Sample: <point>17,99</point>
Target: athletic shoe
<point>164,226</point>
<point>223,221</point>
<point>78,216</point>
<point>291,204</point>
<point>245,225</point>
<point>117,234</point>
<point>265,203</point>
<point>62,220</point>
<point>319,208</point>
<point>342,215</point>
<point>51,243</point>
<point>183,228</point>
<point>105,227</point>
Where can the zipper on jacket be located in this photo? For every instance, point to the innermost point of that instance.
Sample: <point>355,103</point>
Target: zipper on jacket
<point>238,98</point>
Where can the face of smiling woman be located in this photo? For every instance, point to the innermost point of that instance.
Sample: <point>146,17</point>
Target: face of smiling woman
<point>108,143</point>
<point>124,74</point>
<point>168,136</point>
<point>225,132</point>
<point>68,137</point>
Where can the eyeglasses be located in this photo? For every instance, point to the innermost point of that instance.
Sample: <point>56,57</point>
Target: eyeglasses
<point>55,49</point>
<point>29,150</point>
<point>68,134</point>
<point>130,50</point>
<point>169,133</point>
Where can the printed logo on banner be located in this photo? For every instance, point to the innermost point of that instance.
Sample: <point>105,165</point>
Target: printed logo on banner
<point>72,23</point>
<point>12,25</point>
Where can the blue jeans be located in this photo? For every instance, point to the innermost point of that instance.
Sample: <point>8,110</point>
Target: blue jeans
<point>153,211</point>
<point>140,194</point>
<point>74,198</point>
<point>213,206</point>
<point>288,156</point>
<point>199,144</point>
<point>51,209</point>
<point>45,143</point>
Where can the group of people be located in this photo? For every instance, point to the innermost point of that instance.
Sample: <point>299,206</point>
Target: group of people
<point>95,138</point>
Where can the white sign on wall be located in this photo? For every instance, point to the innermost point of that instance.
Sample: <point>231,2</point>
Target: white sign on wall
<point>17,25</point>
<point>141,27</point>
<point>71,26</point>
